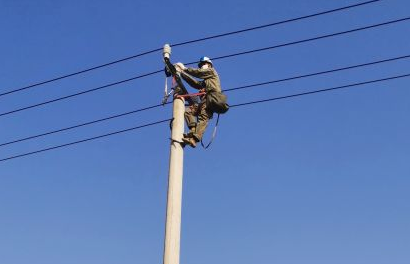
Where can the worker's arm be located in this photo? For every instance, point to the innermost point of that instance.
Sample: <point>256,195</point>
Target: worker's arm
<point>191,81</point>
<point>201,73</point>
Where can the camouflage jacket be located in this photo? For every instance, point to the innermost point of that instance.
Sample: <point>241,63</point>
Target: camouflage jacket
<point>210,79</point>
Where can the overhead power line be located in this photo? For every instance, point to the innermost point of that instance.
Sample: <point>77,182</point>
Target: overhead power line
<point>85,140</point>
<point>80,125</point>
<point>186,43</point>
<point>77,94</point>
<point>227,90</point>
<point>318,73</point>
<point>275,23</point>
<point>232,106</point>
<point>321,90</point>
<point>216,58</point>
<point>312,39</point>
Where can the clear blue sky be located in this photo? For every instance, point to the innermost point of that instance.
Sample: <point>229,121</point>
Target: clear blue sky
<point>317,179</point>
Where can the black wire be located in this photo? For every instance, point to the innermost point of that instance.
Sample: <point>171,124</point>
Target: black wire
<point>81,125</point>
<point>217,58</point>
<point>317,73</point>
<point>310,39</point>
<point>78,72</point>
<point>321,90</point>
<point>232,106</point>
<point>77,94</point>
<point>274,24</point>
<point>84,140</point>
<point>185,43</point>
<point>227,90</point>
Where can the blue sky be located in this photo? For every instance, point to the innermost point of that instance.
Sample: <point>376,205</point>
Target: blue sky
<point>316,179</point>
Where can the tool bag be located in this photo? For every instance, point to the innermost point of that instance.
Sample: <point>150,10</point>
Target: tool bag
<point>217,102</point>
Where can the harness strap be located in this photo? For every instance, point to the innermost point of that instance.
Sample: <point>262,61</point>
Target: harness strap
<point>213,135</point>
<point>177,141</point>
<point>171,139</point>
<point>190,95</point>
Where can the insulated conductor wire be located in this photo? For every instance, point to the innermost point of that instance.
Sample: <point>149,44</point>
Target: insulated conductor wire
<point>321,90</point>
<point>185,43</point>
<point>85,140</point>
<point>274,23</point>
<point>318,73</point>
<point>81,125</point>
<point>311,39</point>
<point>232,106</point>
<point>215,58</point>
<point>77,94</point>
<point>227,90</point>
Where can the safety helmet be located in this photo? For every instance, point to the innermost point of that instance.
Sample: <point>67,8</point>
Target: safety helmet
<point>203,60</point>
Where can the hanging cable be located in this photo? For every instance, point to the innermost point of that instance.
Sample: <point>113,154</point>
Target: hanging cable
<point>185,43</point>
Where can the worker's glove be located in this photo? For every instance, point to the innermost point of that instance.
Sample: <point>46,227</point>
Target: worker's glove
<point>179,66</point>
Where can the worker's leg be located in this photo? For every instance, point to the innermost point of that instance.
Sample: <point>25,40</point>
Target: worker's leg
<point>203,118</point>
<point>191,113</point>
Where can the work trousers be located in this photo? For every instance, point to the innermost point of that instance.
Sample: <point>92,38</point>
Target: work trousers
<point>197,118</point>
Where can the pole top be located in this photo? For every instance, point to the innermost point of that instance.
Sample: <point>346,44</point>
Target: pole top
<point>166,51</point>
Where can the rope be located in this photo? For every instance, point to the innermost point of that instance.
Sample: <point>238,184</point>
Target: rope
<point>213,135</point>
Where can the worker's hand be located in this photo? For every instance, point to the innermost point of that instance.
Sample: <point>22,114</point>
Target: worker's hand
<point>179,66</point>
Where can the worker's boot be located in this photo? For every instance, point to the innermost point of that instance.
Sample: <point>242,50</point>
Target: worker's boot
<point>191,132</point>
<point>189,141</point>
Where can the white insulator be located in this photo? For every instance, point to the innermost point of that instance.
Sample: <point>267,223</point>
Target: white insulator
<point>166,51</point>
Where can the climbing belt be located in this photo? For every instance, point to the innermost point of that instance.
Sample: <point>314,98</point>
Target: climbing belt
<point>191,95</point>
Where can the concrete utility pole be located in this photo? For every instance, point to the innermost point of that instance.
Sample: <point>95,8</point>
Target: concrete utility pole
<point>174,199</point>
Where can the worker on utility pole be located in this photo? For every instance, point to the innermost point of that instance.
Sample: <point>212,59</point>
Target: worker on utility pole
<point>198,114</point>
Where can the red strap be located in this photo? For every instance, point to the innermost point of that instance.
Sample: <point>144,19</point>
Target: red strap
<point>191,95</point>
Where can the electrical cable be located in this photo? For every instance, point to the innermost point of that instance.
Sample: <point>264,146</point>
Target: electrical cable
<point>84,140</point>
<point>216,58</point>
<point>318,73</point>
<point>232,106</point>
<point>274,24</point>
<point>311,39</point>
<point>77,94</point>
<point>227,90</point>
<point>81,125</point>
<point>321,90</point>
<point>185,43</point>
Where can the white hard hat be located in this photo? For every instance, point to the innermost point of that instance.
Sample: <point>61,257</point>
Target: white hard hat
<point>203,60</point>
